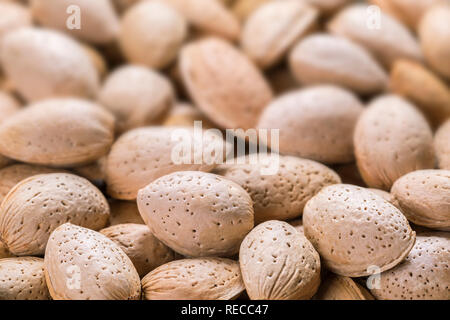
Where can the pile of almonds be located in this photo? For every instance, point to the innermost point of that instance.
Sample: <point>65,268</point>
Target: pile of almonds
<point>93,205</point>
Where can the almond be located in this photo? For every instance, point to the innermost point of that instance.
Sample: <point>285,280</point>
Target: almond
<point>279,263</point>
<point>322,58</point>
<point>243,8</point>
<point>283,195</point>
<point>424,198</point>
<point>81,264</point>
<point>385,195</point>
<point>61,67</point>
<point>124,212</point>
<point>442,146</point>
<point>13,16</point>
<point>38,205</point>
<point>94,172</point>
<point>58,132</point>
<point>325,115</point>
<point>392,138</point>
<point>4,253</point>
<point>336,287</point>
<point>196,213</point>
<point>194,279</point>
<point>272,29</point>
<point>423,275</point>
<point>8,105</point>
<point>353,229</point>
<point>223,83</point>
<point>184,114</point>
<point>23,279</point>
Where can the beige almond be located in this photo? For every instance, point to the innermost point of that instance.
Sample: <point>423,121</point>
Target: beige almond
<point>442,145</point>
<point>194,279</point>
<point>353,229</point>
<point>243,8</point>
<point>13,16</point>
<point>81,264</point>
<point>38,205</point>
<point>124,212</point>
<point>23,279</point>
<point>385,195</point>
<point>61,67</point>
<point>323,58</point>
<point>185,114</point>
<point>336,287</point>
<point>58,132</point>
<point>224,83</point>
<point>8,106</point>
<point>279,263</point>
<point>197,214</point>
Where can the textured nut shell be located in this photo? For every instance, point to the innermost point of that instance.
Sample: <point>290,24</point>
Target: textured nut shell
<point>352,228</point>
<point>424,198</point>
<point>144,250</point>
<point>419,85</point>
<point>442,145</point>
<point>283,195</point>
<point>38,205</point>
<point>279,263</point>
<point>323,58</point>
<point>151,34</point>
<point>184,114</point>
<point>8,106</point>
<point>388,43</point>
<point>124,212</point>
<point>423,275</point>
<point>194,279</point>
<point>197,213</point>
<point>94,172</point>
<point>99,22</point>
<point>336,287</point>
<point>61,67</point>
<point>104,270</point>
<point>13,16</point>
<point>391,139</point>
<point>58,132</point>
<point>434,32</point>
<point>142,155</point>
<point>326,117</point>
<point>273,28</point>
<point>223,82</point>
<point>385,195</point>
<point>97,59</point>
<point>4,253</point>
<point>23,279</point>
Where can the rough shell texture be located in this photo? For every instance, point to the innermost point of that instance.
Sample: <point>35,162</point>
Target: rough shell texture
<point>196,213</point>
<point>279,263</point>
<point>322,58</point>
<point>326,117</point>
<point>388,42</point>
<point>124,212</point>
<point>23,279</point>
<point>38,205</point>
<point>58,132</point>
<point>391,139</point>
<point>4,253</point>
<point>223,82</point>
<point>385,195</point>
<point>151,34</point>
<point>194,279</point>
<point>61,67</point>
<point>13,16</point>
<point>137,96</point>
<point>140,245</point>
<point>273,28</point>
<point>424,197</point>
<point>442,145</point>
<point>352,229</point>
<point>423,275</point>
<point>336,287</point>
<point>81,264</point>
<point>98,20</point>
<point>279,196</point>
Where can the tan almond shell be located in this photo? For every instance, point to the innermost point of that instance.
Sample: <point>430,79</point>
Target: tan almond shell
<point>58,132</point>
<point>390,42</point>
<point>152,33</point>
<point>13,16</point>
<point>442,145</point>
<point>243,8</point>
<point>82,264</point>
<point>124,212</point>
<point>391,139</point>
<point>194,279</point>
<point>4,253</point>
<point>279,263</point>
<point>352,229</point>
<point>137,96</point>
<point>322,58</point>
<point>197,214</point>
<point>23,279</point>
<point>97,59</point>
<point>434,34</point>
<point>423,275</point>
<point>280,196</point>
<point>61,67</point>
<point>272,29</point>
<point>385,195</point>
<point>224,83</point>
<point>326,116</point>
<point>209,16</point>
<point>99,22</point>
<point>184,114</point>
<point>424,198</point>
<point>39,204</point>
<point>94,171</point>
<point>140,245</point>
<point>8,105</point>
<point>336,287</point>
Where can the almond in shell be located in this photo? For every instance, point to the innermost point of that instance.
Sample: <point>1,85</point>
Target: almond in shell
<point>336,287</point>
<point>442,145</point>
